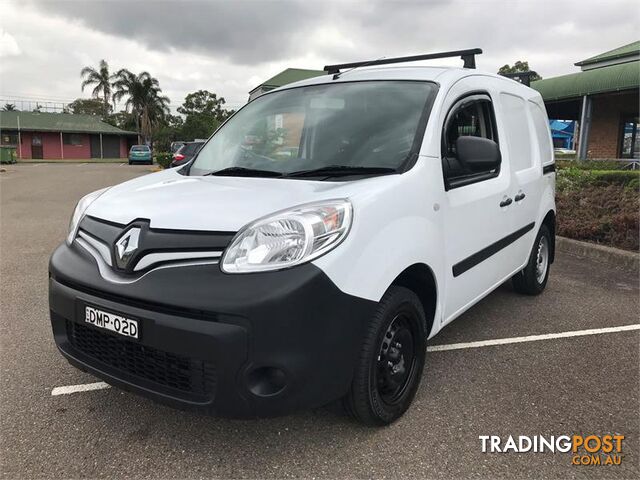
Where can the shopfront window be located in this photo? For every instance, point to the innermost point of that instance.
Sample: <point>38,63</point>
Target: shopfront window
<point>630,143</point>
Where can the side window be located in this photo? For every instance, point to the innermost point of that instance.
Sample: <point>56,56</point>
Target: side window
<point>471,116</point>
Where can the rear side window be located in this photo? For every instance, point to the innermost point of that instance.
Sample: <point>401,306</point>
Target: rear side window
<point>191,148</point>
<point>541,125</point>
<point>518,135</point>
<point>470,116</point>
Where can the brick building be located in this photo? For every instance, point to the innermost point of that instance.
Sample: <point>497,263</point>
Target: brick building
<point>59,136</point>
<point>603,98</point>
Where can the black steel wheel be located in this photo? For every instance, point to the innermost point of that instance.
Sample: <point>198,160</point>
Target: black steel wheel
<point>391,360</point>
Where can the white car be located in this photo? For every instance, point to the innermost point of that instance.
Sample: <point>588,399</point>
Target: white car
<point>320,237</point>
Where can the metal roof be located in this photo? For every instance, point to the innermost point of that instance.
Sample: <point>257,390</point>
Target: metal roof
<point>612,78</point>
<point>620,52</point>
<point>57,122</point>
<point>289,75</point>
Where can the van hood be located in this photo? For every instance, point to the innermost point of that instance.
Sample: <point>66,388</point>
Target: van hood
<point>173,201</point>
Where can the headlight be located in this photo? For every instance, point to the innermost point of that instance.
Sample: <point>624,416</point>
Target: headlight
<point>78,213</point>
<point>288,238</point>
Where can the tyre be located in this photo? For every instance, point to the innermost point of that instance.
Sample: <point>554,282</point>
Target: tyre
<point>532,279</point>
<point>391,360</point>
<point>130,162</point>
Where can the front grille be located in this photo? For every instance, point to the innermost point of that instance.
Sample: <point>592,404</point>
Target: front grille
<point>177,372</point>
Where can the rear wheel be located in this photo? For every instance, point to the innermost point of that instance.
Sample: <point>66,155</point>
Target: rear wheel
<point>532,279</point>
<point>391,360</point>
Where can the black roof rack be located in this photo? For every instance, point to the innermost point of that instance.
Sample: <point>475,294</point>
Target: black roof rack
<point>522,77</point>
<point>468,56</point>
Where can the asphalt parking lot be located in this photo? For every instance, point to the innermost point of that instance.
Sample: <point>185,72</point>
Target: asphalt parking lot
<point>553,386</point>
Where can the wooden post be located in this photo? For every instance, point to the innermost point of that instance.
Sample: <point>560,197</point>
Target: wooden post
<point>61,147</point>
<point>101,156</point>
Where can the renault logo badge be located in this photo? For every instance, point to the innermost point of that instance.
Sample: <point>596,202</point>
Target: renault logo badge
<point>126,246</point>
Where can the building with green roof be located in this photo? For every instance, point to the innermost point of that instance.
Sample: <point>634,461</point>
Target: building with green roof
<point>59,136</point>
<point>603,98</point>
<point>290,75</point>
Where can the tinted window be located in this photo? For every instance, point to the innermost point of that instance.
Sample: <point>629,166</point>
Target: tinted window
<point>471,116</point>
<point>191,148</point>
<point>139,148</point>
<point>370,124</point>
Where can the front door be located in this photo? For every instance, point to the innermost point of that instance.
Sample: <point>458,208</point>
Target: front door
<point>36,147</point>
<point>476,216</point>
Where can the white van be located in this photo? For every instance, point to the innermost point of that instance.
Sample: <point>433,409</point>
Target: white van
<point>318,239</point>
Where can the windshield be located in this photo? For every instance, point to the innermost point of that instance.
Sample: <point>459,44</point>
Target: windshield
<point>369,124</point>
<point>139,148</point>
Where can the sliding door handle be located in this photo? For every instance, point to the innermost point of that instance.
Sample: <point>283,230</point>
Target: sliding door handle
<point>519,197</point>
<point>506,202</point>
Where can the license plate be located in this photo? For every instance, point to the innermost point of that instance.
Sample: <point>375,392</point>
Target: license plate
<point>111,321</point>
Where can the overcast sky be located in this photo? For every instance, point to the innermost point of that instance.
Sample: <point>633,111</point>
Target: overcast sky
<point>229,47</point>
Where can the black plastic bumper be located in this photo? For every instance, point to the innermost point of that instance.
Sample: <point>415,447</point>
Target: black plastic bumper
<point>254,344</point>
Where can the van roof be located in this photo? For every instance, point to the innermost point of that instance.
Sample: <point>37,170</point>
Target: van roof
<point>444,76</point>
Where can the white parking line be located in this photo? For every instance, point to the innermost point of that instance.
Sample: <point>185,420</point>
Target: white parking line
<point>532,338</point>
<point>69,389</point>
<point>79,388</point>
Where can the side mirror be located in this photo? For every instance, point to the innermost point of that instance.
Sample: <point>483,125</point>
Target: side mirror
<point>478,154</point>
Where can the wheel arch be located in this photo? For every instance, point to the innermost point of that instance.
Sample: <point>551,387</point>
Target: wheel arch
<point>420,279</point>
<point>550,221</point>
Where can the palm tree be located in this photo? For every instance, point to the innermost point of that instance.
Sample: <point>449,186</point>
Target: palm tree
<point>9,107</point>
<point>144,99</point>
<point>102,81</point>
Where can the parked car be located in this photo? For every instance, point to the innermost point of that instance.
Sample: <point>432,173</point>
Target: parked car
<point>140,154</point>
<point>186,153</point>
<point>175,146</point>
<point>281,282</point>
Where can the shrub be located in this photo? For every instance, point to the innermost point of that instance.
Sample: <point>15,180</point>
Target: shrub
<point>163,159</point>
<point>606,213</point>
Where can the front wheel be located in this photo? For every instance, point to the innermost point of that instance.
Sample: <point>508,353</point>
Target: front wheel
<point>391,360</point>
<point>532,279</point>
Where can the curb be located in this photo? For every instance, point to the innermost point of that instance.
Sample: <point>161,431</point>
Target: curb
<point>613,256</point>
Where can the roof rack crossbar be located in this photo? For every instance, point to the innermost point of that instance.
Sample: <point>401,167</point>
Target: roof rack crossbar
<point>467,56</point>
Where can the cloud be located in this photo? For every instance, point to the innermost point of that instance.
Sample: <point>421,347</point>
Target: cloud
<point>231,46</point>
<point>8,45</point>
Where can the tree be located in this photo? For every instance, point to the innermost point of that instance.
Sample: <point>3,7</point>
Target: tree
<point>167,131</point>
<point>122,119</point>
<point>90,106</point>
<point>101,79</point>
<point>204,112</point>
<point>9,107</point>
<point>144,99</point>
<point>518,67</point>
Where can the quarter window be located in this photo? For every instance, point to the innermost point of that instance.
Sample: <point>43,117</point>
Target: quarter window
<point>471,116</point>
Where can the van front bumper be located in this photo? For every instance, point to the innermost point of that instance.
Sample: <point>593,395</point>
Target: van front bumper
<point>243,345</point>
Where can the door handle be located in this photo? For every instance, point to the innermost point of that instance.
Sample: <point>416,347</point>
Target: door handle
<point>519,197</point>
<point>506,202</point>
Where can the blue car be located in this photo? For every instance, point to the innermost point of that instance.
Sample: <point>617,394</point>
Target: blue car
<point>140,154</point>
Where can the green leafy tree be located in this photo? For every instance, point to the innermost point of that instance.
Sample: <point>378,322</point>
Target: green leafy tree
<point>204,112</point>
<point>518,67</point>
<point>167,131</point>
<point>144,100</point>
<point>101,80</point>
<point>90,106</point>
<point>122,119</point>
<point>9,107</point>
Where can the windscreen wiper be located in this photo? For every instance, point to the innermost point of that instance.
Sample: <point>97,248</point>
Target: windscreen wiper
<point>243,172</point>
<point>341,171</point>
